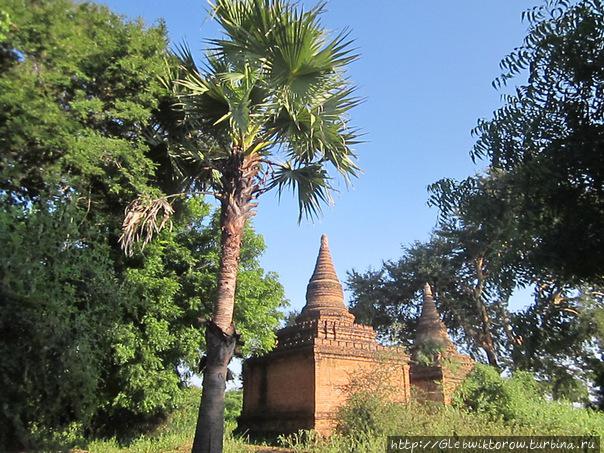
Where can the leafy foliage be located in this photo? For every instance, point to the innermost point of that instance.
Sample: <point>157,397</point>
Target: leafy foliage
<point>5,25</point>
<point>93,349</point>
<point>540,201</point>
<point>547,138</point>
<point>475,259</point>
<point>566,347</point>
<point>428,353</point>
<point>77,92</point>
<point>517,399</point>
<point>484,391</point>
<point>58,302</point>
<point>269,108</point>
<point>94,342</point>
<point>78,88</point>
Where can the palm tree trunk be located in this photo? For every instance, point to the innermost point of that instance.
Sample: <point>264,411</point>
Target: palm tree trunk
<point>220,332</point>
<point>209,432</point>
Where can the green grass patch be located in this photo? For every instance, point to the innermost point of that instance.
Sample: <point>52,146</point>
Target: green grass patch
<point>176,433</point>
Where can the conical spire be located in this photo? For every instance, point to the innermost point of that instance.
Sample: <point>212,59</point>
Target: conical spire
<point>430,328</point>
<point>324,294</point>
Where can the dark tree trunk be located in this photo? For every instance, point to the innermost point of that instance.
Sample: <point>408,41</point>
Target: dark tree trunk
<point>209,432</point>
<point>487,342</point>
<point>491,356</point>
<point>221,337</point>
<point>487,337</point>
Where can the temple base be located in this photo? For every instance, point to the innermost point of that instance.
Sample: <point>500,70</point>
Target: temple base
<point>317,365</point>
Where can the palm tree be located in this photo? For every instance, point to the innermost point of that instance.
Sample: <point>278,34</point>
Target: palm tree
<point>268,110</point>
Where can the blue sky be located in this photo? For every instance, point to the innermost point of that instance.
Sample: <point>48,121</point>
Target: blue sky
<point>425,70</point>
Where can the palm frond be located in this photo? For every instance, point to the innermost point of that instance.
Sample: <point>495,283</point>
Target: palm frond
<point>185,56</point>
<point>311,183</point>
<point>144,218</point>
<point>273,82</point>
<point>246,24</point>
<point>288,40</point>
<point>203,102</point>
<point>321,132</point>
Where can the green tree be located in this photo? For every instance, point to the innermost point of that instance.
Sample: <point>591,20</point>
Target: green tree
<point>558,336</point>
<point>462,273</point>
<point>170,289</point>
<point>78,86</point>
<point>565,350</point>
<point>472,263</point>
<point>273,86</point>
<point>90,350</point>
<point>77,91</point>
<point>547,138</point>
<point>57,303</point>
<point>544,189</point>
<point>562,336</point>
<point>93,342</point>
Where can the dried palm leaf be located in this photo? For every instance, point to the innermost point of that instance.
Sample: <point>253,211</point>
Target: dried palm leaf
<point>144,217</point>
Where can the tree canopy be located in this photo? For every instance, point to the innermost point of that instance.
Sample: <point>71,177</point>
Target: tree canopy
<point>94,342</point>
<point>547,140</point>
<point>533,219</point>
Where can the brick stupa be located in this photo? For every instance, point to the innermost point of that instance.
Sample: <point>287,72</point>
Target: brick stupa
<point>437,368</point>
<point>303,381</point>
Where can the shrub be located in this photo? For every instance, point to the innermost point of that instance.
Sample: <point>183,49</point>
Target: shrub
<point>367,414</point>
<point>233,402</point>
<point>485,391</point>
<point>519,401</point>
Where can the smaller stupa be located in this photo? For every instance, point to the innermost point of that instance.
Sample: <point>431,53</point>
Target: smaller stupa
<point>431,331</point>
<point>437,367</point>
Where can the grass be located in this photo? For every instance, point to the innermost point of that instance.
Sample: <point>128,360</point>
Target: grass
<point>176,433</point>
<point>485,405</point>
<point>364,426</point>
<point>368,429</point>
